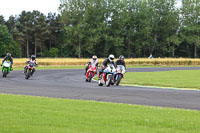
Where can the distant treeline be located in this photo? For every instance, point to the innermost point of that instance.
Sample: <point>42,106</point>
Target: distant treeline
<point>133,28</point>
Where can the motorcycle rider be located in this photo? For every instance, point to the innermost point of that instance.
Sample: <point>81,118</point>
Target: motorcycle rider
<point>8,58</point>
<point>106,62</point>
<point>32,59</point>
<point>120,61</point>
<point>93,61</point>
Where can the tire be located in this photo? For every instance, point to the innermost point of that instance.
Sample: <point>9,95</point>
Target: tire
<point>28,74</point>
<point>112,81</point>
<point>4,73</point>
<point>108,80</point>
<point>118,80</point>
<point>90,77</point>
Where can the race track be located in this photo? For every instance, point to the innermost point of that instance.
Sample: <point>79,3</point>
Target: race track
<point>70,84</point>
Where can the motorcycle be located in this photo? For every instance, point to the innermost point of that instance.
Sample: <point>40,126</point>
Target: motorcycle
<point>120,71</point>
<point>6,68</point>
<point>29,71</point>
<point>90,73</point>
<point>107,76</point>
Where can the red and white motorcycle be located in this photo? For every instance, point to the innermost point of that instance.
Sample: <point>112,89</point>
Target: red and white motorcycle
<point>90,73</point>
<point>107,76</point>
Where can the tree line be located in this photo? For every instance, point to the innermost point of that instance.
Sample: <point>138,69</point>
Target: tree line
<point>133,28</point>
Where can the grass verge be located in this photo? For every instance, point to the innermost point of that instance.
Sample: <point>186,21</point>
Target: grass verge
<point>177,79</point>
<point>129,61</point>
<point>36,114</point>
<point>83,67</point>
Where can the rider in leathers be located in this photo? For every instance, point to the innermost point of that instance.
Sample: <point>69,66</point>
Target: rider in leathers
<point>120,61</point>
<point>32,59</point>
<point>93,61</point>
<point>106,62</point>
<point>8,58</point>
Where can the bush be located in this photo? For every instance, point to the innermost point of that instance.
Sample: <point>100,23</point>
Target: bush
<point>53,52</point>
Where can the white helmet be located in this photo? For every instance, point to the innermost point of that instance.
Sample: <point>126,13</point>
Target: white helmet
<point>94,57</point>
<point>111,57</point>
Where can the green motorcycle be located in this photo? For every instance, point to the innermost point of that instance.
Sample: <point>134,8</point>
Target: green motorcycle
<point>6,68</point>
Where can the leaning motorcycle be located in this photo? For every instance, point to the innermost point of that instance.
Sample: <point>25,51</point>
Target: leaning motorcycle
<point>120,71</point>
<point>90,72</point>
<point>107,76</point>
<point>29,71</point>
<point>6,68</point>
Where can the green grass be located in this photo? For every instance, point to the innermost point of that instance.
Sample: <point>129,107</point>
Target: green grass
<point>26,114</point>
<point>178,79</point>
<point>83,66</point>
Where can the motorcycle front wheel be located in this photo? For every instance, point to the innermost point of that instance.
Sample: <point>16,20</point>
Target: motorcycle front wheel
<point>90,76</point>
<point>4,73</point>
<point>118,79</point>
<point>28,74</point>
<point>108,80</point>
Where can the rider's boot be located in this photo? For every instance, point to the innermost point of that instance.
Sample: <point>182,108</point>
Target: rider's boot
<point>25,69</point>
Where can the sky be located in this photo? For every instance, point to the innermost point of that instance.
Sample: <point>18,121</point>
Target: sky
<point>15,7</point>
<point>178,3</point>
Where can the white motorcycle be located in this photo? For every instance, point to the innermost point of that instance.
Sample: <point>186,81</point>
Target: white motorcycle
<point>107,76</point>
<point>120,71</point>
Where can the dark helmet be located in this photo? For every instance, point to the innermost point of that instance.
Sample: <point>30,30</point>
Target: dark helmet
<point>8,55</point>
<point>94,57</point>
<point>33,57</point>
<point>121,57</point>
<point>111,57</point>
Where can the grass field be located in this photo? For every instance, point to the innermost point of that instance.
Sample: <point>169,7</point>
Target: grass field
<point>26,114</point>
<point>178,79</point>
<point>80,67</point>
<point>129,61</point>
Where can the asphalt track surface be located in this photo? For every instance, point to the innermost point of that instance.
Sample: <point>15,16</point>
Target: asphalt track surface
<point>70,84</point>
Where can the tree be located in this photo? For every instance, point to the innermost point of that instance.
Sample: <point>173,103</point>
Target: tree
<point>12,25</point>
<point>26,28</point>
<point>7,44</point>
<point>2,20</point>
<point>40,30</point>
<point>191,23</point>
<point>73,13</point>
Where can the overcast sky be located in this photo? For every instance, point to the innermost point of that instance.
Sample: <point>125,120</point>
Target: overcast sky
<point>15,7</point>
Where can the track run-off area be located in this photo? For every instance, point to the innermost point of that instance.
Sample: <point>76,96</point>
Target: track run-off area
<point>70,84</point>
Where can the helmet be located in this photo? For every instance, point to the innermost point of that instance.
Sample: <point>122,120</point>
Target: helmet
<point>8,55</point>
<point>121,57</point>
<point>33,57</point>
<point>94,57</point>
<point>111,57</point>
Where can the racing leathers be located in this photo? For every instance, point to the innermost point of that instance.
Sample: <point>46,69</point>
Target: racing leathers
<point>105,63</point>
<point>92,62</point>
<point>120,62</point>
<point>10,59</point>
<point>27,62</point>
